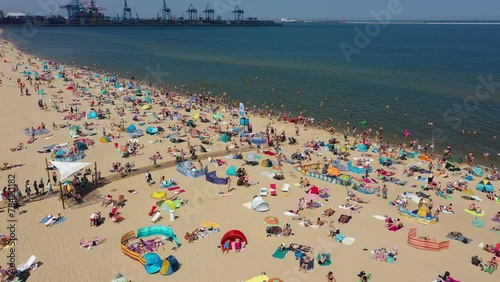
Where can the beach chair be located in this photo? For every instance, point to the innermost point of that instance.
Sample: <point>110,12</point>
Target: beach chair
<point>285,188</point>
<point>263,192</point>
<point>477,223</point>
<point>155,218</point>
<point>152,211</point>
<point>30,264</point>
<point>273,190</point>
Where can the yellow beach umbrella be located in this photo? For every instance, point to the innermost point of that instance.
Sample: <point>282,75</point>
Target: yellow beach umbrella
<point>158,195</point>
<point>208,224</point>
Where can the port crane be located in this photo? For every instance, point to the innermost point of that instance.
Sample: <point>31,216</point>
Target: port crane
<point>238,14</point>
<point>167,13</point>
<point>127,11</point>
<point>209,13</point>
<point>192,13</point>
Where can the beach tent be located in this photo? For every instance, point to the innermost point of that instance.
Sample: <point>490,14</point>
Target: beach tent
<point>91,115</point>
<point>224,138</point>
<point>153,263</point>
<point>477,171</point>
<point>313,190</point>
<point>267,163</point>
<point>259,140</point>
<point>251,157</point>
<point>170,265</point>
<point>151,130</point>
<point>231,171</point>
<point>485,186</point>
<point>168,205</point>
<point>232,235</point>
<point>258,204</point>
<point>131,128</point>
<point>104,139</point>
<point>67,168</point>
<point>333,171</point>
<point>361,148</point>
<point>385,161</point>
<point>81,146</point>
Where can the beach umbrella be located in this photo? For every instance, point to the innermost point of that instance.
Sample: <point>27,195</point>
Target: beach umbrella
<point>158,195</point>
<point>146,107</point>
<point>168,205</point>
<point>209,224</point>
<point>485,186</point>
<point>477,171</point>
<point>151,130</point>
<point>251,157</point>
<point>271,220</point>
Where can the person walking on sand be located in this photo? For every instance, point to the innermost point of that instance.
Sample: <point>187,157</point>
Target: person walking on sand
<point>149,178</point>
<point>27,190</point>
<point>330,277</point>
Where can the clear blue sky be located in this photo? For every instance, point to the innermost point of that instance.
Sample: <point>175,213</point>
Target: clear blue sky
<point>301,9</point>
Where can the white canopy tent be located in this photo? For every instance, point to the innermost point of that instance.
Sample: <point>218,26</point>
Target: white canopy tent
<point>66,169</point>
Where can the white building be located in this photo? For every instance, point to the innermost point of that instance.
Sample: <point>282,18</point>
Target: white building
<point>15,15</point>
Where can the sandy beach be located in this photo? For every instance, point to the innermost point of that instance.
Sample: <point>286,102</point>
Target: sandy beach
<point>61,258</point>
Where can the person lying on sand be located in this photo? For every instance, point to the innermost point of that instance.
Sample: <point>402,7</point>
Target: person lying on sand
<point>358,200</point>
<point>91,242</point>
<point>427,238</point>
<point>53,220</point>
<point>328,212</point>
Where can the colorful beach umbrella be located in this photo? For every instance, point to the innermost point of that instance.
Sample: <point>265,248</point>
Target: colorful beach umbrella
<point>271,220</point>
<point>159,195</point>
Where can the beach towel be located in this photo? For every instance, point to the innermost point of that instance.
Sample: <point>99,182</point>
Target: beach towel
<point>248,205</point>
<point>472,198</point>
<point>269,153</point>
<point>299,247</point>
<point>222,194</point>
<point>303,224</point>
<point>310,265</point>
<point>474,213</point>
<point>348,241</point>
<point>173,188</point>
<point>328,260</point>
<point>280,254</point>
<point>296,184</point>
<point>344,207</point>
<point>267,173</point>
<point>180,191</point>
<point>460,238</point>
<point>60,220</point>
<point>45,219</point>
<point>285,213</point>
<point>394,228</point>
<point>380,217</point>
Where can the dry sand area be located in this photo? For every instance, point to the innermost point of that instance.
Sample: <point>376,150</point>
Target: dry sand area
<point>63,259</point>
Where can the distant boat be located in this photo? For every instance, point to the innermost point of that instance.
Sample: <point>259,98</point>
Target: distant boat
<point>285,20</point>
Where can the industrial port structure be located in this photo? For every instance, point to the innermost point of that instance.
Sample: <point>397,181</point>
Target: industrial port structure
<point>81,12</point>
